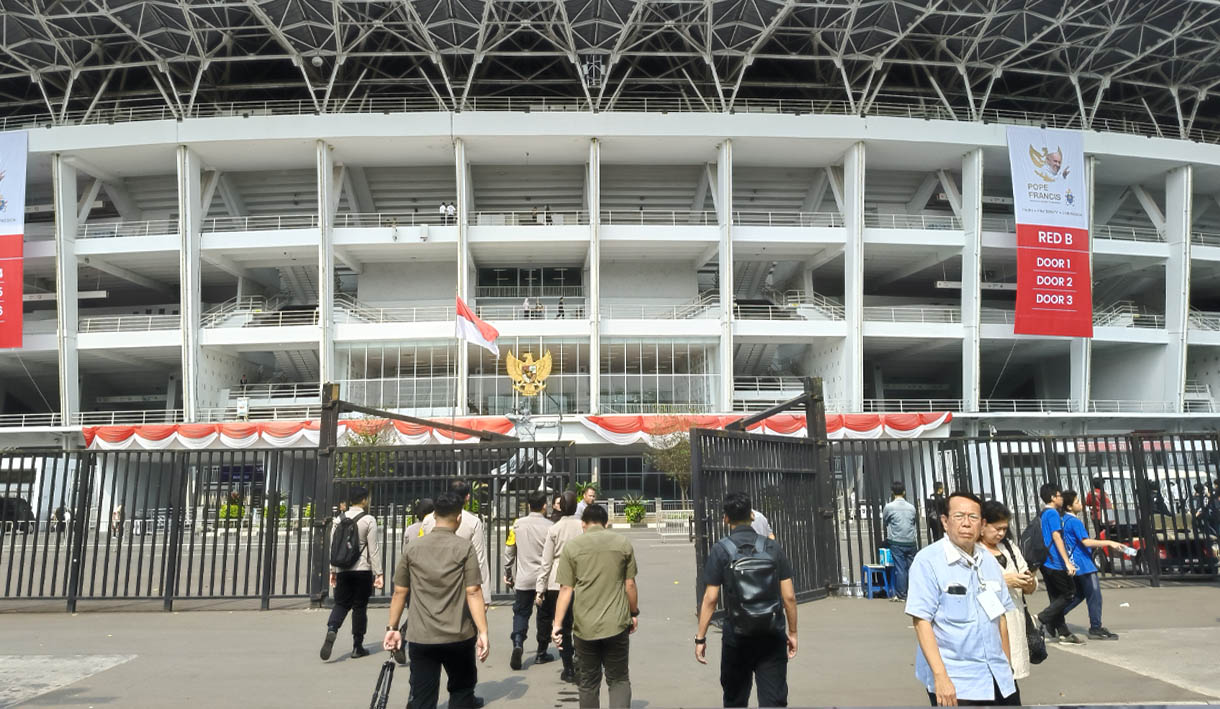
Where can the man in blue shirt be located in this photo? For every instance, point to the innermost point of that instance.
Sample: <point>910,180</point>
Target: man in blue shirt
<point>1088,584</point>
<point>957,600</point>
<point>1058,569</point>
<point>899,519</point>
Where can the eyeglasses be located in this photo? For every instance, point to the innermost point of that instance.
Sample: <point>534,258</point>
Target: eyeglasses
<point>962,516</point>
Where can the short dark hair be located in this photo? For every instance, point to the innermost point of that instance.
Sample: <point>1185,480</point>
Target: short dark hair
<point>449,504</point>
<point>424,507</point>
<point>898,487</point>
<point>1069,498</point>
<point>1096,482</point>
<point>595,514</point>
<point>568,506</point>
<point>461,488</point>
<point>357,494</point>
<point>939,486</point>
<point>1199,488</point>
<point>1047,492</point>
<point>738,507</point>
<point>995,511</point>
<point>536,500</point>
<point>963,494</point>
<point>587,488</point>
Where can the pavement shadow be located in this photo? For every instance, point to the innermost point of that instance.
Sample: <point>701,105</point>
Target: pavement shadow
<point>78,696</point>
<point>371,658</point>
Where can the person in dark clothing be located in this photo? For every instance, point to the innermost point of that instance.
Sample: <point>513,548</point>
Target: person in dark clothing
<point>354,585</point>
<point>933,509</point>
<point>746,659</point>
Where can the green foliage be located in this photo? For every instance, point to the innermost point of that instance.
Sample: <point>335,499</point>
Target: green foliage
<point>282,512</point>
<point>307,512</point>
<point>673,457</point>
<point>231,511</point>
<point>478,495</point>
<point>578,487</point>
<point>353,462</point>
<point>634,509</point>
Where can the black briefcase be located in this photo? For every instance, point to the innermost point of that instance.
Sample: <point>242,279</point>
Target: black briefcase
<point>381,694</point>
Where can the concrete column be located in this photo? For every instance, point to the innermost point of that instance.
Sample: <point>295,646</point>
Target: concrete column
<point>327,206</point>
<point>724,216</point>
<point>63,177</point>
<point>853,277</point>
<point>1179,184</point>
<point>171,392</point>
<point>593,301</point>
<point>190,220</point>
<point>1080,349</point>
<point>464,288</point>
<point>972,275</point>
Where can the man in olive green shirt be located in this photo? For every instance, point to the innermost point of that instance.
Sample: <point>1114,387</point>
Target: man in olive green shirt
<point>599,566</point>
<point>441,572</point>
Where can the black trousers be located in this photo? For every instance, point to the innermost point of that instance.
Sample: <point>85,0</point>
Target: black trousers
<point>458,661</point>
<point>1012,700</point>
<point>1061,590</point>
<point>611,654</point>
<point>568,650</point>
<point>523,607</point>
<point>749,659</point>
<point>352,591</point>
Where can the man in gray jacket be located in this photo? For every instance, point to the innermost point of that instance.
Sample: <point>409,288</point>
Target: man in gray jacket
<point>522,565</point>
<point>355,584</point>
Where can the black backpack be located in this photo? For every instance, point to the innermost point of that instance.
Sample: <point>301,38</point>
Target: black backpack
<point>345,546</point>
<point>751,587</point>
<point>1033,545</point>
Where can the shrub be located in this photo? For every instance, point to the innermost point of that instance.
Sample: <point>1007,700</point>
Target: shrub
<point>634,509</point>
<point>231,511</point>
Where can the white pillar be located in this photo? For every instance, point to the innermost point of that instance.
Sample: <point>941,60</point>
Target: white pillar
<point>853,277</point>
<point>1179,184</point>
<point>972,275</point>
<point>63,177</point>
<point>462,173</point>
<point>1080,349</point>
<point>190,208</point>
<point>593,301</point>
<point>327,205</point>
<point>724,216</point>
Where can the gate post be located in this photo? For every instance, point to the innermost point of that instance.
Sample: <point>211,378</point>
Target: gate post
<point>1144,509</point>
<point>815,428</point>
<point>173,544</point>
<point>80,525</point>
<point>700,507</point>
<point>271,525</point>
<point>328,434</point>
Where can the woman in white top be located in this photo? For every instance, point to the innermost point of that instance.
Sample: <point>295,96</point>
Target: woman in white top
<point>1021,581</point>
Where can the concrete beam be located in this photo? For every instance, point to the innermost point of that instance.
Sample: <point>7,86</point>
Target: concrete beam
<point>835,176</point>
<point>707,255</point>
<point>211,180</point>
<point>347,259</point>
<point>951,191</point>
<point>1150,207</point>
<point>129,275</point>
<point>357,185</point>
<point>85,204</point>
<point>923,193</point>
<point>817,192</point>
<point>935,259</point>
<point>123,202</point>
<point>1108,206</point>
<point>235,205</point>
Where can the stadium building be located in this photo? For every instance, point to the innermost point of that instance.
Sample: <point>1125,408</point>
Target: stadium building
<point>688,205</point>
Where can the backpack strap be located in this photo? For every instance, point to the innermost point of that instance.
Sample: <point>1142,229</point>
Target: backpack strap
<point>729,547</point>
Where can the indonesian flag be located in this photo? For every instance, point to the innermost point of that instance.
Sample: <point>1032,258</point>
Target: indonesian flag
<point>472,329</point>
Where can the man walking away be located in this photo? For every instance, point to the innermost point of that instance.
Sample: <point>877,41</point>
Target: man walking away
<point>522,562</point>
<point>758,596</point>
<point>355,537</point>
<point>1088,584</point>
<point>1058,569</point>
<point>447,626</point>
<point>565,529</point>
<point>899,519</point>
<point>472,529</point>
<point>957,603</point>
<point>415,530</point>
<point>587,496</point>
<point>598,567</point>
<point>934,509</point>
<point>761,525</point>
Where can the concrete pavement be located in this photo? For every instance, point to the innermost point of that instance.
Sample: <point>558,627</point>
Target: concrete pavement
<point>852,652</point>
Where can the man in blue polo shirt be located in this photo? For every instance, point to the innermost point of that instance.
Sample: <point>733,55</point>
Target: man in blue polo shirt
<point>957,600</point>
<point>1058,569</point>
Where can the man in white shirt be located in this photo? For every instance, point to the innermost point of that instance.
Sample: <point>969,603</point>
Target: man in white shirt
<point>354,584</point>
<point>444,212</point>
<point>471,528</point>
<point>587,497</point>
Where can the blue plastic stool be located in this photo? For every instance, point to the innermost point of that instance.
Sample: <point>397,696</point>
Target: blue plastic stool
<point>877,580</point>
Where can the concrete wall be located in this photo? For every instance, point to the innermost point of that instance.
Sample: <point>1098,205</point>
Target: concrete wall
<point>1203,366</point>
<point>826,361</point>
<point>407,284</point>
<point>218,373</point>
<point>648,281</point>
<point>1129,372</point>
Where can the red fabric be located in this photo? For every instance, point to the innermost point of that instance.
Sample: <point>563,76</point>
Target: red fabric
<point>239,430</point>
<point>283,429</point>
<point>780,423</point>
<point>495,424</point>
<point>196,430</point>
<point>488,332</point>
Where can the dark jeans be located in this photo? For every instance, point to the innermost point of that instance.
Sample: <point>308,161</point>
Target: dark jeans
<point>903,555</point>
<point>1088,588</point>
<point>610,653</point>
<point>567,651</point>
<point>1012,700</point>
<point>1061,590</point>
<point>523,606</point>
<point>762,658</point>
<point>352,591</point>
<point>458,659</point>
<point>936,528</point>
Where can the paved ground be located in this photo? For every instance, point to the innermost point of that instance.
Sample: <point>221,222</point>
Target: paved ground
<point>853,652</point>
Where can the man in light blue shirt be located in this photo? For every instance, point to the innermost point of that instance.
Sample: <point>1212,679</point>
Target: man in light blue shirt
<point>957,600</point>
<point>899,519</point>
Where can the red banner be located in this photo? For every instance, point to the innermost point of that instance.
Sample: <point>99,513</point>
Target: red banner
<point>10,290</point>
<point>1054,287</point>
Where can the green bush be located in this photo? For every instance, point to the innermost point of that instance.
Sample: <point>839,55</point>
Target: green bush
<point>478,491</point>
<point>634,509</point>
<point>578,487</point>
<point>282,511</point>
<point>231,511</point>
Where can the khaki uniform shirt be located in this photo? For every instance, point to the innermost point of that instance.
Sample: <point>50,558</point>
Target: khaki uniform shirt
<point>470,528</point>
<point>438,568</point>
<point>523,550</point>
<point>595,565</point>
<point>557,537</point>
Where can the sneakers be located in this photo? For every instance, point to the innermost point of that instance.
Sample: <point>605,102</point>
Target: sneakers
<point>543,657</point>
<point>359,651</point>
<point>1070,638</point>
<point>515,662</point>
<point>327,645</point>
<point>1101,634</point>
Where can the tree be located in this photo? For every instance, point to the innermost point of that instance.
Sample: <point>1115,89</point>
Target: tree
<point>355,460</point>
<point>670,453</point>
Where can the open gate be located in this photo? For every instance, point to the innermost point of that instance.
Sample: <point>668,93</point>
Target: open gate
<point>788,480</point>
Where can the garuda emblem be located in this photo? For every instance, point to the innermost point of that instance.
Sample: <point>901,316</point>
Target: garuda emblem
<point>529,377</point>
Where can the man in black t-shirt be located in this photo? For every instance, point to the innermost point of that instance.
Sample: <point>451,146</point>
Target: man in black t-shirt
<point>746,658</point>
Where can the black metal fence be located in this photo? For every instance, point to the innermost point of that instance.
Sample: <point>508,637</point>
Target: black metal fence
<point>1140,490</point>
<point>253,524</point>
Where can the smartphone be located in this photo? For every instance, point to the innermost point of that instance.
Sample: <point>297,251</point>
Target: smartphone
<point>956,590</point>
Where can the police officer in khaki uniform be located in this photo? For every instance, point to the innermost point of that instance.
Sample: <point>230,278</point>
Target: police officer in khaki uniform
<point>522,566</point>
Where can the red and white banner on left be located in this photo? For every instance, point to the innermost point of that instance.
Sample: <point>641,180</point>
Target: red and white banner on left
<point>13,149</point>
<point>1051,199</point>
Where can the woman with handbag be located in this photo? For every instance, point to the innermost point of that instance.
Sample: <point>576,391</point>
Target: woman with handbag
<point>1021,582</point>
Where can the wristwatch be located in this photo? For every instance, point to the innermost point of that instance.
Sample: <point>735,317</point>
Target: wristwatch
<point>388,628</point>
<point>700,641</point>
<point>635,614</point>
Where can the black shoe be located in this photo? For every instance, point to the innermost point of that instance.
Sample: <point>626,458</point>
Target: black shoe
<point>359,651</point>
<point>543,657</point>
<point>1101,634</point>
<point>327,645</point>
<point>1070,638</point>
<point>515,662</point>
<point>567,676</point>
<point>478,703</point>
